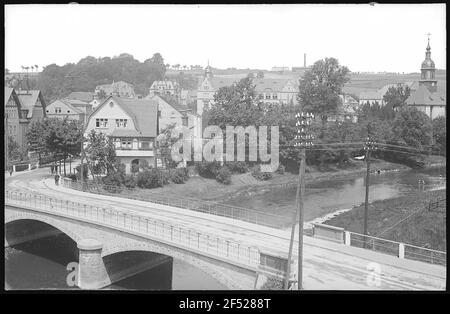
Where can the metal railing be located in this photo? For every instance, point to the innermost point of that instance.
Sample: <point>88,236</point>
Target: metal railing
<point>182,237</point>
<point>394,248</point>
<point>233,212</point>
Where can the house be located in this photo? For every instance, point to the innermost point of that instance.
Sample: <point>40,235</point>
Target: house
<point>427,98</point>
<point>275,91</point>
<point>370,97</point>
<point>33,104</point>
<point>132,125</point>
<point>16,122</point>
<point>164,88</point>
<point>172,112</point>
<point>119,89</point>
<point>21,109</point>
<point>62,108</point>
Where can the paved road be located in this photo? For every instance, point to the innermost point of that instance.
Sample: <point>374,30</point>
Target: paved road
<point>327,265</point>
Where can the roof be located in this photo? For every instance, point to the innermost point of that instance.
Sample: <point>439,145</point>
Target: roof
<point>68,104</point>
<point>369,95</point>
<point>77,103</point>
<point>29,99</point>
<point>125,133</point>
<point>142,111</point>
<point>422,96</point>
<point>172,101</point>
<point>261,84</point>
<point>83,96</point>
<point>8,92</point>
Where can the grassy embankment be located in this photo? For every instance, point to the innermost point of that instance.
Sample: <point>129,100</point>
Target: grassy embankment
<point>422,229</point>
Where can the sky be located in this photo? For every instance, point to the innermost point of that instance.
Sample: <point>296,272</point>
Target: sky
<point>382,37</point>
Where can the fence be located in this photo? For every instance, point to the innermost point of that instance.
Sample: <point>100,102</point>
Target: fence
<point>438,206</point>
<point>233,212</point>
<point>398,249</point>
<point>186,238</point>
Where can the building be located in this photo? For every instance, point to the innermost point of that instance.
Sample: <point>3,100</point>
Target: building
<point>16,122</point>
<point>280,69</point>
<point>164,88</point>
<point>132,125</point>
<point>370,97</point>
<point>119,89</point>
<point>63,108</point>
<point>172,112</point>
<point>347,110</point>
<point>21,109</point>
<point>268,90</point>
<point>426,97</point>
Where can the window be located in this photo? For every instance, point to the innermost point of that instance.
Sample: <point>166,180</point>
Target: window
<point>121,123</point>
<point>144,145</point>
<point>57,109</point>
<point>68,111</point>
<point>274,96</point>
<point>101,123</point>
<point>126,144</point>
<point>184,121</point>
<point>267,96</point>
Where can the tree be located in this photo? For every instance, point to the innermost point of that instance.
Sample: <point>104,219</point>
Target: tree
<point>101,153</point>
<point>413,128</point>
<point>260,74</point>
<point>440,135</point>
<point>321,86</point>
<point>236,105</point>
<point>166,139</point>
<point>36,138</point>
<point>396,97</point>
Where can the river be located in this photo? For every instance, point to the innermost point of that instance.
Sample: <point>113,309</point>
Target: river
<point>42,264</point>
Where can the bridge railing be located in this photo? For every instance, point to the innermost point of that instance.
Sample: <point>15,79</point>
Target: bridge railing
<point>183,237</point>
<point>394,248</point>
<point>233,212</point>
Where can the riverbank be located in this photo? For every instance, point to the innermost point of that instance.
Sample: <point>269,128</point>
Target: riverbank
<point>422,228</point>
<point>246,184</point>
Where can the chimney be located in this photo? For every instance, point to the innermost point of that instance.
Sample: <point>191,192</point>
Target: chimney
<point>304,60</point>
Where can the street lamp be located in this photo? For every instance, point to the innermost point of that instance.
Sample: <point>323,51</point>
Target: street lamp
<point>369,146</point>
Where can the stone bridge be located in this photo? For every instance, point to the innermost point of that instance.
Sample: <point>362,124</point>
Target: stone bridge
<point>105,238</point>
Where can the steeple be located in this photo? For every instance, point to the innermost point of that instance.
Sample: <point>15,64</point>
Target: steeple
<point>208,71</point>
<point>428,70</point>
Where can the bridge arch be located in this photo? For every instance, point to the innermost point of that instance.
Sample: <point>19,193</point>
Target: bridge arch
<point>23,216</point>
<point>231,278</point>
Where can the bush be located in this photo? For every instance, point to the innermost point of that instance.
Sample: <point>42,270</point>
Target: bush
<point>113,180</point>
<point>129,181</point>
<point>73,177</point>
<point>179,176</point>
<point>224,175</point>
<point>272,284</point>
<point>153,178</point>
<point>208,169</point>
<point>281,169</point>
<point>258,174</point>
<point>238,166</point>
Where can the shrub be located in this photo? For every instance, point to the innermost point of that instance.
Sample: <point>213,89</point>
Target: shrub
<point>258,174</point>
<point>238,166</point>
<point>73,177</point>
<point>152,178</point>
<point>224,175</point>
<point>281,169</point>
<point>113,180</point>
<point>272,284</point>
<point>208,169</point>
<point>179,175</point>
<point>129,181</point>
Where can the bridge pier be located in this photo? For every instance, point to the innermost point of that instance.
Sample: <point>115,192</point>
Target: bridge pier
<point>92,273</point>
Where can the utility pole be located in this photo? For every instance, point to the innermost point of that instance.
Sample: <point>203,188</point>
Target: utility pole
<point>302,140</point>
<point>369,146</point>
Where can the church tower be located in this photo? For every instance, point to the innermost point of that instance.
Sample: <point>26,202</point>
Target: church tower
<point>428,69</point>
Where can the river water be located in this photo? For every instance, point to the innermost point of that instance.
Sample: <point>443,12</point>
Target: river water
<point>42,264</point>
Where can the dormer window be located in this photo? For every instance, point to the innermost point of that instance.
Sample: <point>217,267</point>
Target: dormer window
<point>121,123</point>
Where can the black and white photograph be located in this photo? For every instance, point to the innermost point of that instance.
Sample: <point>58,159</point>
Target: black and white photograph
<point>214,147</point>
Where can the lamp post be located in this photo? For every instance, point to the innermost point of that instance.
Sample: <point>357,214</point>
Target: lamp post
<point>302,140</point>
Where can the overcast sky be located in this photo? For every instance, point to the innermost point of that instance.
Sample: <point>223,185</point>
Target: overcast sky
<point>362,37</point>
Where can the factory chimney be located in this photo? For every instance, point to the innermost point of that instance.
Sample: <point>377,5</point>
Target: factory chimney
<point>304,60</point>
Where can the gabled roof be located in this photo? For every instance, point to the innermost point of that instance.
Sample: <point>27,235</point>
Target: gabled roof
<point>370,95</point>
<point>69,105</point>
<point>144,113</point>
<point>28,100</point>
<point>422,96</point>
<point>9,92</point>
<point>173,102</point>
<point>83,96</point>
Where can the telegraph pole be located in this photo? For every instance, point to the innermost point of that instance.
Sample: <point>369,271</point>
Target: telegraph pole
<point>302,140</point>
<point>369,146</point>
